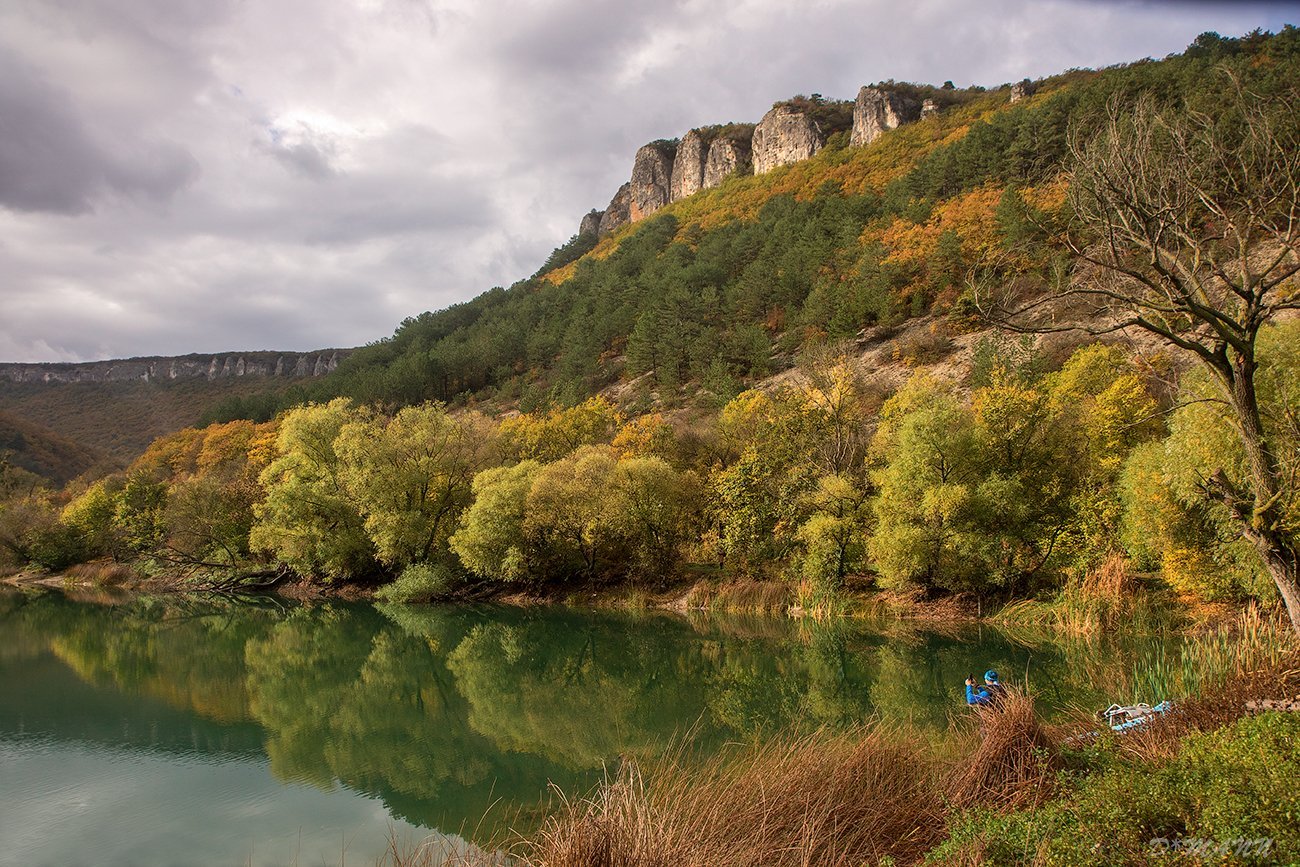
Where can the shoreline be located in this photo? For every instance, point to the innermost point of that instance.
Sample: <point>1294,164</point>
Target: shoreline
<point>687,595</point>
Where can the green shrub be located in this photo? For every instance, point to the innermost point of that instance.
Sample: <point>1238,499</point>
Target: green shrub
<point>421,582</point>
<point>1233,784</point>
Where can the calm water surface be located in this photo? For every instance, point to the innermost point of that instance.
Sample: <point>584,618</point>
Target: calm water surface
<point>169,731</point>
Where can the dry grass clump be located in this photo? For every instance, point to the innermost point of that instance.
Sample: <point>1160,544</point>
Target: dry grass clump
<point>101,572</point>
<point>912,604</point>
<point>1012,760</point>
<point>747,595</point>
<point>1104,599</point>
<point>437,852</point>
<point>846,799</point>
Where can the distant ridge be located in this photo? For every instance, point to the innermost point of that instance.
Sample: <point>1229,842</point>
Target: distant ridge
<point>152,368</point>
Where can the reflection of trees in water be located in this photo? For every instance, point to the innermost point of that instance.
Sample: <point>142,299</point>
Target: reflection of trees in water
<point>343,700</point>
<point>185,652</point>
<point>579,696</point>
<point>441,711</point>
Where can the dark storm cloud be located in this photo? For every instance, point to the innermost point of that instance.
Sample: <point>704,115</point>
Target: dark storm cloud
<point>203,175</point>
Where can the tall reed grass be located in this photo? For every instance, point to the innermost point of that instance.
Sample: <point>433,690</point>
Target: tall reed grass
<point>1010,762</point>
<point>102,573</point>
<point>748,596</point>
<point>840,800</point>
<point>1254,641</point>
<point>1104,599</point>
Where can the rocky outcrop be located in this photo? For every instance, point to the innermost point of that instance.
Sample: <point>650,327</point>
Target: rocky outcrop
<point>877,111</point>
<point>157,368</point>
<point>1022,89</point>
<point>652,177</point>
<point>728,154</point>
<point>785,135</point>
<point>688,166</point>
<point>929,108</point>
<point>590,224</point>
<point>618,213</point>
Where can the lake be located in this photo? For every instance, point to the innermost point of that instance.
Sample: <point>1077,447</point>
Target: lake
<point>181,730</point>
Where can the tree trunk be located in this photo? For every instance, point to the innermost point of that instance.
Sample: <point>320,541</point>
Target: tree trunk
<point>1261,515</point>
<point>1281,560</point>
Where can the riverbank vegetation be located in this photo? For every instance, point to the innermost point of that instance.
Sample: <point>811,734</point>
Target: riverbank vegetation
<point>1054,482</point>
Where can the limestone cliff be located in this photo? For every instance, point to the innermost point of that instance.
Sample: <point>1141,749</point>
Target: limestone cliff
<point>652,174</point>
<point>688,166</point>
<point>1021,90</point>
<point>729,153</point>
<point>160,368</point>
<point>618,212</point>
<point>877,110</point>
<point>590,224</point>
<point>785,135</point>
<point>669,170</point>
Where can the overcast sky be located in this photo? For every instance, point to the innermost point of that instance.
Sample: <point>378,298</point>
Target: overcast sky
<point>205,175</point>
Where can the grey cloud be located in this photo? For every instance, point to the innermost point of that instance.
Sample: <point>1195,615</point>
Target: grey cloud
<point>362,162</point>
<point>310,157</point>
<point>47,162</point>
<point>50,160</point>
<point>574,39</point>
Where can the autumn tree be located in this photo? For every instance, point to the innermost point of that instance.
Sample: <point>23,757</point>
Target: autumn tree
<point>490,539</point>
<point>308,520</point>
<point>1187,226</point>
<point>410,477</point>
<point>1168,518</point>
<point>552,435</point>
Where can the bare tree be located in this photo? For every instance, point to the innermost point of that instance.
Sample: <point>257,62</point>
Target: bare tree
<point>1187,226</point>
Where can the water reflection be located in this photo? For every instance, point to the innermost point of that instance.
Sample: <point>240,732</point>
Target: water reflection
<point>448,715</point>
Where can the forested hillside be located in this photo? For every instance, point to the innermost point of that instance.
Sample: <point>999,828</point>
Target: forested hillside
<point>797,376</point>
<point>120,419</point>
<point>728,285</point>
<point>46,455</point>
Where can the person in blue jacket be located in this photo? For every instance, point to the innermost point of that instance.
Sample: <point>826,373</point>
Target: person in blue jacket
<point>989,693</point>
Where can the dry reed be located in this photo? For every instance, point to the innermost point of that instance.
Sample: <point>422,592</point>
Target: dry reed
<point>437,852</point>
<point>100,572</point>
<point>746,596</point>
<point>824,799</point>
<point>1011,761</point>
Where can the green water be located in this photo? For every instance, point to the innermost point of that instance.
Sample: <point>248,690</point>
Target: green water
<point>181,731</point>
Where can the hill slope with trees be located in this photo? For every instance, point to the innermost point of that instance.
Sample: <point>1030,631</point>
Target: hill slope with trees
<point>795,376</point>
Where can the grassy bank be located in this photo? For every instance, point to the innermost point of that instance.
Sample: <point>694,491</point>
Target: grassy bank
<point>1002,788</point>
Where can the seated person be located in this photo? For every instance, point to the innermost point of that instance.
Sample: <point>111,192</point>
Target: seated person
<point>990,693</point>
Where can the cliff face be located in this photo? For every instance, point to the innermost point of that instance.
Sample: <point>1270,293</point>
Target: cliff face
<point>785,135</point>
<point>877,111</point>
<point>157,368</point>
<point>652,177</point>
<point>667,171</point>
<point>590,224</point>
<point>618,212</point>
<point>688,167</point>
<point>727,155</point>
